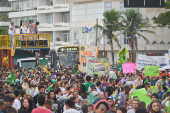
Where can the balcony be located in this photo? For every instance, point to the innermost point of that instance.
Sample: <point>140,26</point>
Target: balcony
<point>24,5</point>
<point>53,28</point>
<point>62,19</point>
<point>4,3</point>
<point>53,10</point>
<point>4,23</point>
<point>5,9</point>
<point>45,4</point>
<point>60,3</point>
<point>22,14</point>
<point>24,41</point>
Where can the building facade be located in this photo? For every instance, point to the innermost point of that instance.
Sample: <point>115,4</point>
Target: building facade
<point>74,20</point>
<point>4,9</point>
<point>86,13</point>
<point>53,16</point>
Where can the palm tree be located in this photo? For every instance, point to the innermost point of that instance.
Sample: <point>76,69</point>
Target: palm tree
<point>133,27</point>
<point>111,24</point>
<point>163,19</point>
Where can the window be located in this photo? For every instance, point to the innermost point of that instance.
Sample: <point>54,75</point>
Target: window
<point>162,42</point>
<point>66,17</point>
<point>144,3</point>
<point>4,3</point>
<point>102,54</point>
<point>107,6</point>
<point>154,42</point>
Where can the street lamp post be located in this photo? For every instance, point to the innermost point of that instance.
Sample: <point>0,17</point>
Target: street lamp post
<point>97,23</point>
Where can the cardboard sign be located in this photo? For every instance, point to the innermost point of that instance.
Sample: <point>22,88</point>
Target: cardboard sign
<point>129,68</point>
<point>151,71</point>
<point>141,94</point>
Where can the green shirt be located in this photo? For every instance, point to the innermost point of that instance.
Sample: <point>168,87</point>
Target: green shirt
<point>87,85</point>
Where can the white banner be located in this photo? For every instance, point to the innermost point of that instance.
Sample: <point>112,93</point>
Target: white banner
<point>144,60</point>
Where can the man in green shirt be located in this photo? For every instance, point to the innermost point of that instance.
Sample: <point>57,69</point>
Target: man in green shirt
<point>87,84</point>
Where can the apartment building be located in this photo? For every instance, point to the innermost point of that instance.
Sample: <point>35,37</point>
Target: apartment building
<point>53,15</point>
<point>86,13</point>
<point>4,9</point>
<point>73,21</point>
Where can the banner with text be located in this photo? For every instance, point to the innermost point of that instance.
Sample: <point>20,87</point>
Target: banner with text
<point>144,60</point>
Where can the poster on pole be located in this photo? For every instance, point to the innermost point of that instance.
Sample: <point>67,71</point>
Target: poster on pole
<point>129,68</point>
<point>151,71</point>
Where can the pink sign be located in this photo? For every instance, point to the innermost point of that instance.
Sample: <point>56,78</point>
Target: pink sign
<point>129,68</point>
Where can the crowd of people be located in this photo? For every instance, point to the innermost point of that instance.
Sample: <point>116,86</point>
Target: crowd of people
<point>24,28</point>
<point>48,91</point>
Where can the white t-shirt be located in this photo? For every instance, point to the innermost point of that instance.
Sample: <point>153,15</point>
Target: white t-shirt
<point>71,111</point>
<point>11,30</point>
<point>16,104</point>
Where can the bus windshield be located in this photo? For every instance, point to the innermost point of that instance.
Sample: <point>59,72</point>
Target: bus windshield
<point>68,56</point>
<point>28,63</point>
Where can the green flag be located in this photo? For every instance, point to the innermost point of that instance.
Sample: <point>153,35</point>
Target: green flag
<point>151,71</point>
<point>11,78</point>
<point>123,55</point>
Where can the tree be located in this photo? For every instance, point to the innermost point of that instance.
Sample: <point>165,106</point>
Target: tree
<point>163,19</point>
<point>111,24</point>
<point>133,27</point>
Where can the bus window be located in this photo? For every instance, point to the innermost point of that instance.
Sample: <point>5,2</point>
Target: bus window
<point>28,63</point>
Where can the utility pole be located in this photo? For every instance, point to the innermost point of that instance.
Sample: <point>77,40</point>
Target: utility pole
<point>97,23</point>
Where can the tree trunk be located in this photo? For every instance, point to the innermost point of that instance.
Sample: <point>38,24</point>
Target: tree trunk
<point>112,51</point>
<point>134,49</point>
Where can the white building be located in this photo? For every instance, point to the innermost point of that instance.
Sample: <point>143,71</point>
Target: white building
<point>84,14</point>
<point>4,9</point>
<point>53,15</point>
<point>73,21</point>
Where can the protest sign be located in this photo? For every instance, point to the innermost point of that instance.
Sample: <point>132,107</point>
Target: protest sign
<point>129,68</point>
<point>151,71</point>
<point>144,60</point>
<point>141,94</point>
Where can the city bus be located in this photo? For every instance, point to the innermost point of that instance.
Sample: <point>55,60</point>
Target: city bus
<point>64,55</point>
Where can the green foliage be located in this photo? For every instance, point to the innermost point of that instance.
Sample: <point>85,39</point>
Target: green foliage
<point>110,25</point>
<point>133,27</point>
<point>163,19</point>
<point>130,23</point>
<point>167,4</point>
